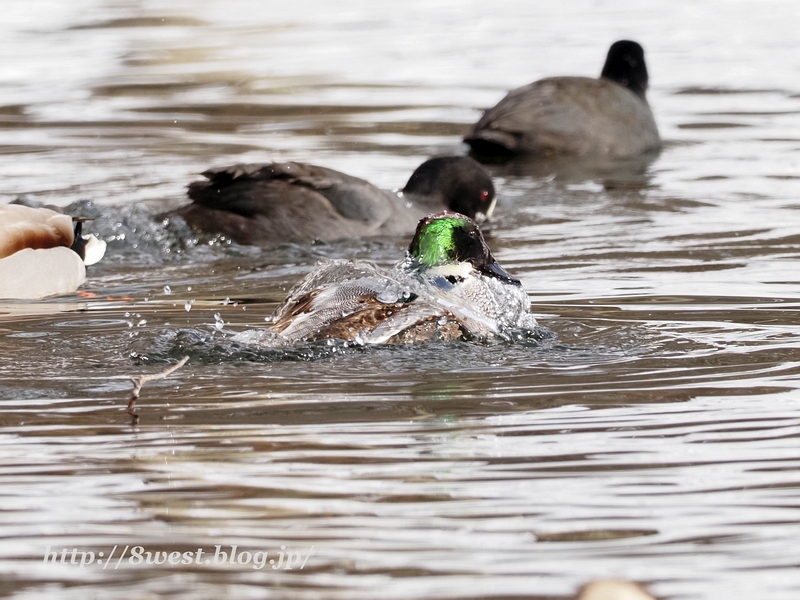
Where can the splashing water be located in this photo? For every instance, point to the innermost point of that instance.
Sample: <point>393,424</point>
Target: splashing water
<point>481,306</point>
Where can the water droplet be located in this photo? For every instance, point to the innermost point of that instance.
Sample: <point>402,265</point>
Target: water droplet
<point>218,322</point>
<point>167,290</point>
<point>188,305</point>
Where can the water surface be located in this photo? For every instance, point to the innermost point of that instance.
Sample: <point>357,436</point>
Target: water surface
<point>652,437</point>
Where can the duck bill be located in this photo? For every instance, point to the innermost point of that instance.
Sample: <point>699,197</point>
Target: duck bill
<point>482,216</point>
<point>492,269</point>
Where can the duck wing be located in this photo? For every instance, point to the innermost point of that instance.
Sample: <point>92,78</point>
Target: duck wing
<point>269,203</point>
<point>36,228</point>
<point>571,115</point>
<point>352,301</point>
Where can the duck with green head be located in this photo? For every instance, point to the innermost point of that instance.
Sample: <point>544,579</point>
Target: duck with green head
<point>448,286</point>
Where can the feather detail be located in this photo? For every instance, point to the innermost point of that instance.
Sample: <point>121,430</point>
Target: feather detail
<point>47,272</point>
<point>36,228</point>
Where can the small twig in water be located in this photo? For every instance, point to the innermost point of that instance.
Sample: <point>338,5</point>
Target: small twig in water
<point>140,380</point>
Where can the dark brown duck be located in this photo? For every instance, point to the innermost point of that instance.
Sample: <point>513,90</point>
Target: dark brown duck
<point>605,117</point>
<point>272,203</point>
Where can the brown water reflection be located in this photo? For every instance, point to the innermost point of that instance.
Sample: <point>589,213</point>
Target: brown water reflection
<point>652,436</point>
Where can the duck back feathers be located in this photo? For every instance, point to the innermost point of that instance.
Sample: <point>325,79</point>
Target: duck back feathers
<point>35,228</point>
<point>568,115</point>
<point>262,204</point>
<point>605,117</point>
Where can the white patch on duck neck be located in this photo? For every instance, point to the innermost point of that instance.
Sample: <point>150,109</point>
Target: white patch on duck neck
<point>462,269</point>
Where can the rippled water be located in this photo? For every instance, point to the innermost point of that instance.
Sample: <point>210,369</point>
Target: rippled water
<point>653,436</point>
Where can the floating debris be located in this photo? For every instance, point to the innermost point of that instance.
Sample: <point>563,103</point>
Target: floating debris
<point>140,380</point>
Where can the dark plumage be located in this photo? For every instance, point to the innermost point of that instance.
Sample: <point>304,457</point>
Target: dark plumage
<point>267,204</point>
<point>581,116</point>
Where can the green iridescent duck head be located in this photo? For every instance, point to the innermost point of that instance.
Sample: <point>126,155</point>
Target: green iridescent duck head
<point>451,238</point>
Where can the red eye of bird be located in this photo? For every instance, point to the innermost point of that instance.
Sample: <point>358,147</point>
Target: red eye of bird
<point>485,195</point>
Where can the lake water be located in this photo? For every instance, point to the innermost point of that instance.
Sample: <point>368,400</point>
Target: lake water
<point>653,436</point>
